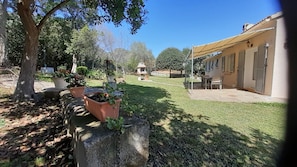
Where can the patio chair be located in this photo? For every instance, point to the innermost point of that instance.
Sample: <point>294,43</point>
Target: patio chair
<point>218,81</point>
<point>205,81</point>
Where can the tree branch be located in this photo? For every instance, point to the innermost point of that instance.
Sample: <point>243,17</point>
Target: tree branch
<point>48,14</point>
<point>25,15</point>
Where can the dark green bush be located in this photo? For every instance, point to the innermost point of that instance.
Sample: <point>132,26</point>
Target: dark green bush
<point>82,70</point>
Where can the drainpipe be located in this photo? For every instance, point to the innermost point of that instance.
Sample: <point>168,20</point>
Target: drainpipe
<point>265,65</point>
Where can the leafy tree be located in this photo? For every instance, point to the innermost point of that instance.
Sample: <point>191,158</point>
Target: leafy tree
<point>83,46</point>
<point>132,11</point>
<point>139,53</point>
<point>186,52</point>
<point>15,42</point>
<point>53,39</point>
<point>198,65</point>
<point>120,56</point>
<point>170,59</point>
<point>52,42</point>
<point>107,42</point>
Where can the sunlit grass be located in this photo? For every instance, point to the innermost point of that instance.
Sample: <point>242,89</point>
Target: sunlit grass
<point>247,133</point>
<point>243,117</point>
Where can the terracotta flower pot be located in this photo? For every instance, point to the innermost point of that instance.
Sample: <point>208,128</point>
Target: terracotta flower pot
<point>77,91</point>
<point>102,110</point>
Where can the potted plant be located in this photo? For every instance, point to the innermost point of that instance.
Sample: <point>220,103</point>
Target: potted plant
<point>76,84</point>
<point>104,104</point>
<point>58,78</point>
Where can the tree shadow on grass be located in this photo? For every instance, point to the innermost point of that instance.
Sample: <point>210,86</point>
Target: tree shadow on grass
<point>176,138</point>
<point>33,131</point>
<point>181,139</point>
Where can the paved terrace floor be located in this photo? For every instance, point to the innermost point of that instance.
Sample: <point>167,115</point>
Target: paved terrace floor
<point>226,94</point>
<point>231,95</point>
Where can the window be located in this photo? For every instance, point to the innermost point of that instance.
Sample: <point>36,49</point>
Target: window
<point>211,65</point>
<point>255,65</point>
<point>217,62</point>
<point>232,63</point>
<point>228,63</point>
<point>223,64</point>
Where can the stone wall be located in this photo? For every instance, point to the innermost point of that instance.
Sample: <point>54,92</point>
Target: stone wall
<point>95,146</point>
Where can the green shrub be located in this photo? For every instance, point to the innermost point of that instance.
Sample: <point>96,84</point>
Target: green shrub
<point>96,74</point>
<point>119,74</point>
<point>115,124</point>
<point>43,77</point>
<point>82,70</point>
<point>61,67</point>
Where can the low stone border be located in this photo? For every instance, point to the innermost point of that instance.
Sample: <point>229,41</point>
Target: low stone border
<point>96,146</point>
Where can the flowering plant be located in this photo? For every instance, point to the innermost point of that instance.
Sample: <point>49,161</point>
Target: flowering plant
<point>60,73</point>
<point>109,94</point>
<point>75,80</point>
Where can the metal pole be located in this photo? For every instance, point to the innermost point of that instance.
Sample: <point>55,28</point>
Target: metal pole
<point>192,70</point>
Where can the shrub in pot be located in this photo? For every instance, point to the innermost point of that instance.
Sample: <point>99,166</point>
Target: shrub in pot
<point>76,84</point>
<point>104,104</point>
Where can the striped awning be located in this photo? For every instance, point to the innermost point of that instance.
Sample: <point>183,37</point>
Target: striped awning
<point>202,50</point>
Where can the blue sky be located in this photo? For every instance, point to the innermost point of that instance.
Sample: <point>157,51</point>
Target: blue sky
<point>187,23</point>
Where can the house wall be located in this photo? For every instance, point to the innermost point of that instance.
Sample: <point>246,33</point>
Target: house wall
<point>266,38</point>
<point>249,82</point>
<point>230,79</point>
<point>280,70</point>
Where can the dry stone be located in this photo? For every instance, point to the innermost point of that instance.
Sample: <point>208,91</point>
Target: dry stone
<point>95,146</point>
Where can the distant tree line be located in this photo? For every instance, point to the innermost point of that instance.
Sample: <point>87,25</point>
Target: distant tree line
<point>174,59</point>
<point>62,38</point>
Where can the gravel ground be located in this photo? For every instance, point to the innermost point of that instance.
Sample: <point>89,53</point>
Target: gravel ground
<point>33,135</point>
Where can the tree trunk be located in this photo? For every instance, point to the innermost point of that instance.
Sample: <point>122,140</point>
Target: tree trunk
<point>3,19</point>
<point>25,85</point>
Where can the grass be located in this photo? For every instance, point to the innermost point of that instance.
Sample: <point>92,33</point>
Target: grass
<point>205,133</point>
<point>239,116</point>
<point>186,132</point>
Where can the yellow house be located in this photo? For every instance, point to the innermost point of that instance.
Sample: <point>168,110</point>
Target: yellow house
<point>255,60</point>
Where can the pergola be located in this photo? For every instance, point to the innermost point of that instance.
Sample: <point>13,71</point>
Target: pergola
<point>205,49</point>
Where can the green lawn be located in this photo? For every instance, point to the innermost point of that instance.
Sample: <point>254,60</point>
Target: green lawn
<point>187,132</point>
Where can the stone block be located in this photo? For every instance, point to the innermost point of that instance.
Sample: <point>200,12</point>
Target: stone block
<point>52,93</point>
<point>96,146</point>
